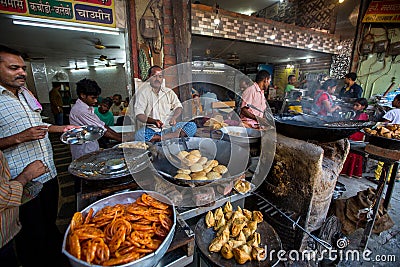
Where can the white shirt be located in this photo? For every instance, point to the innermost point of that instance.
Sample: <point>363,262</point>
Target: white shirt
<point>159,106</point>
<point>393,116</point>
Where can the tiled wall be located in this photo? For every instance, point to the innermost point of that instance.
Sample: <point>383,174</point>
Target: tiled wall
<point>252,29</point>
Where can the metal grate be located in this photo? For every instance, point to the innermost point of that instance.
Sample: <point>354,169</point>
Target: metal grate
<point>290,238</point>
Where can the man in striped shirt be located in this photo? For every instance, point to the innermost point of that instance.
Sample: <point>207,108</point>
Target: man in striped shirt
<point>10,200</point>
<point>24,139</point>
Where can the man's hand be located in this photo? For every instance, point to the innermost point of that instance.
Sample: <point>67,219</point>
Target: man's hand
<point>158,123</point>
<point>172,121</point>
<point>32,171</point>
<point>32,133</point>
<point>70,127</point>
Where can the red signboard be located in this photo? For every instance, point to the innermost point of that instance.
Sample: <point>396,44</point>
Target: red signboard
<point>383,12</point>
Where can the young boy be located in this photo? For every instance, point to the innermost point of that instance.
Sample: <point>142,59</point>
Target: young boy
<point>296,106</point>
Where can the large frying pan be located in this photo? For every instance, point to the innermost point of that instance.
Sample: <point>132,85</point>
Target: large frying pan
<point>234,157</point>
<point>316,130</point>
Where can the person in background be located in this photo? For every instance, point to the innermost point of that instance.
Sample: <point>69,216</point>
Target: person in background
<point>104,113</point>
<point>392,116</point>
<point>118,106</point>
<point>350,89</point>
<point>24,139</point>
<point>353,165</point>
<point>56,103</point>
<point>159,108</point>
<point>11,193</point>
<point>291,85</point>
<point>207,99</point>
<point>197,108</point>
<point>82,113</point>
<point>254,96</point>
<point>295,106</point>
<point>324,104</point>
<point>126,105</point>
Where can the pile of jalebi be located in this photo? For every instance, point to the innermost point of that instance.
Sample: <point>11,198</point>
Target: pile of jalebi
<point>120,234</point>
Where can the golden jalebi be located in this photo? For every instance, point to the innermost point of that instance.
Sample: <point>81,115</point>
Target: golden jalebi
<point>121,233</point>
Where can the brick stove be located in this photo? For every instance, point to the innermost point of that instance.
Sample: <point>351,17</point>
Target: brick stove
<point>301,183</point>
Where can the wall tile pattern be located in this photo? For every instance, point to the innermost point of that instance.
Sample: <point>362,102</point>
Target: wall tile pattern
<point>251,29</point>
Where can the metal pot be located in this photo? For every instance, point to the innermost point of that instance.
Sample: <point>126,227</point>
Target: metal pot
<point>234,157</point>
<point>125,198</point>
<point>240,135</point>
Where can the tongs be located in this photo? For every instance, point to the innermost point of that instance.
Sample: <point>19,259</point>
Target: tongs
<point>268,118</point>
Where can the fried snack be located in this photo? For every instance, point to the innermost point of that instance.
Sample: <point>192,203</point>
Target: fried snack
<point>210,221</point>
<point>220,169</point>
<point>242,186</point>
<point>197,167</point>
<point>226,251</point>
<point>228,207</point>
<point>241,254</point>
<point>182,154</point>
<point>258,254</point>
<point>236,234</point>
<point>202,160</point>
<point>121,233</point>
<point>391,131</point>
<point>213,175</point>
<point>185,171</point>
<point>183,176</point>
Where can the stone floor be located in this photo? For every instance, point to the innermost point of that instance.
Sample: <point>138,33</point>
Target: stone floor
<point>384,245</point>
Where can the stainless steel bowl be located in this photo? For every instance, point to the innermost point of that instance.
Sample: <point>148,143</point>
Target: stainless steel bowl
<point>124,198</point>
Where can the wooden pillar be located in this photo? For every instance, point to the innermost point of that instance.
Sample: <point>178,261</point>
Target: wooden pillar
<point>133,41</point>
<point>181,13</point>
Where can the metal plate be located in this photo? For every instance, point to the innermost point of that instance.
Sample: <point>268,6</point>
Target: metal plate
<point>125,198</point>
<point>269,237</point>
<point>98,165</point>
<point>84,134</point>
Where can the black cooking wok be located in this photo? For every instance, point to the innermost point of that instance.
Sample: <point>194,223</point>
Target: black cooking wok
<point>233,156</point>
<point>314,129</point>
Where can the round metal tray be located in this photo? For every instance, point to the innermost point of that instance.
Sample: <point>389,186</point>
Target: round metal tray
<point>269,237</point>
<point>84,134</point>
<point>109,163</point>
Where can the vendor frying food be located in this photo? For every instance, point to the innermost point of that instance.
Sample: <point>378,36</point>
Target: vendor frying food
<point>159,108</point>
<point>253,100</point>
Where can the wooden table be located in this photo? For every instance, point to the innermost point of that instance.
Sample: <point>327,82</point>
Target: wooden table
<point>360,148</point>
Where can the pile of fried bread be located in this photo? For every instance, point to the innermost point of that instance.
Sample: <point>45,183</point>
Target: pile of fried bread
<point>236,234</point>
<point>387,131</point>
<point>194,166</point>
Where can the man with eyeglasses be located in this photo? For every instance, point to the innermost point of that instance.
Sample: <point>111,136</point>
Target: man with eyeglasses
<point>158,108</point>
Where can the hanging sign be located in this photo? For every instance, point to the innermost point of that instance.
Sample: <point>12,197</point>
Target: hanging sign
<point>383,12</point>
<point>95,12</point>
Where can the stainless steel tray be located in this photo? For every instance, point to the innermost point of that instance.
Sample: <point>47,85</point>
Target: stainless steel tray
<point>109,163</point>
<point>125,198</point>
<point>84,134</point>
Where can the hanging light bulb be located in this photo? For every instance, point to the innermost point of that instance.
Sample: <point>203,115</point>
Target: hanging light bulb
<point>308,60</point>
<point>217,21</point>
<point>310,44</point>
<point>341,1</point>
<point>272,36</point>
